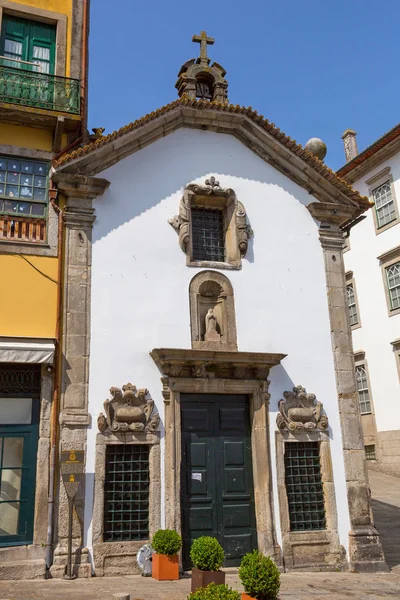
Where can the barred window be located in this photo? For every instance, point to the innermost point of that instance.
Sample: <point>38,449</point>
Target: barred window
<point>19,380</point>
<point>208,234</point>
<point>393,283</point>
<point>304,486</point>
<point>362,388</point>
<point>126,493</point>
<point>370,452</point>
<point>351,302</point>
<point>23,187</point>
<point>384,204</point>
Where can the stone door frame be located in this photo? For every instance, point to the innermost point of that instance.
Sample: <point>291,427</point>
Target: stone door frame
<point>257,392</point>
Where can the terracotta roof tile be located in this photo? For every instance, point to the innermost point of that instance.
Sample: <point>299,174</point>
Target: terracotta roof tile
<point>280,136</point>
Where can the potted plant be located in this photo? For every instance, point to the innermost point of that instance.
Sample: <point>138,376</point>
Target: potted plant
<point>259,576</point>
<point>165,565</point>
<point>215,592</point>
<point>207,557</point>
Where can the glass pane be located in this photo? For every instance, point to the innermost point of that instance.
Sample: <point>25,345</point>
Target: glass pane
<point>40,181</point>
<point>1,202</point>
<point>9,513</point>
<point>2,177</point>
<point>40,168</point>
<point>2,189</point>
<point>13,177</point>
<point>10,206</point>
<point>3,164</point>
<point>12,452</point>
<point>24,208</point>
<point>12,191</point>
<point>15,411</point>
<point>14,165</point>
<point>39,194</point>
<point>26,167</point>
<point>13,47</point>
<point>26,192</point>
<point>10,485</point>
<point>38,210</point>
<point>26,179</point>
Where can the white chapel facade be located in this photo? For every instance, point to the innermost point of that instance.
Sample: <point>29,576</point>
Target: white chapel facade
<point>208,365</point>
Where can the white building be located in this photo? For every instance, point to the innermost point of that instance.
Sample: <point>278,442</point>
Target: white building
<point>203,264</point>
<point>372,260</point>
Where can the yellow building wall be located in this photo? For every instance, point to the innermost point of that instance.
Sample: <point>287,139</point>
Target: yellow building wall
<point>25,136</point>
<point>28,299</point>
<point>61,6</point>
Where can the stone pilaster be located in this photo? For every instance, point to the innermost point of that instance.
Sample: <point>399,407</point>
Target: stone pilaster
<point>79,192</point>
<point>365,549</point>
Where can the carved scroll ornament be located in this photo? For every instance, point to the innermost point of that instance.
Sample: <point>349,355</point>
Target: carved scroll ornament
<point>128,411</point>
<point>211,187</point>
<point>300,411</point>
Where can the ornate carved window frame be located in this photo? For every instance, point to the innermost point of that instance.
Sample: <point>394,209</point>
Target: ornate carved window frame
<point>237,230</point>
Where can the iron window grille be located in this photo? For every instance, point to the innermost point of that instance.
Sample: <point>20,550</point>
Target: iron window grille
<point>126,493</point>
<point>362,389</point>
<point>384,204</point>
<point>370,452</point>
<point>23,187</point>
<point>20,381</point>
<point>393,283</point>
<point>208,234</point>
<point>304,486</point>
<point>351,303</point>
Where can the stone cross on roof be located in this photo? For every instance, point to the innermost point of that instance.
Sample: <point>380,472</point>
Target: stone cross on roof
<point>203,40</point>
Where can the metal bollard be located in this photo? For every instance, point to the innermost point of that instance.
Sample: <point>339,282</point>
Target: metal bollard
<point>121,597</point>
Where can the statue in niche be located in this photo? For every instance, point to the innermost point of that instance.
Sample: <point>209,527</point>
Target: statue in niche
<point>211,334</point>
<point>128,411</point>
<point>300,411</point>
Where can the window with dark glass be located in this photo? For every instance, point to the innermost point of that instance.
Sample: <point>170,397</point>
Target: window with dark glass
<point>208,234</point>
<point>370,452</point>
<point>304,486</point>
<point>126,493</point>
<point>23,187</point>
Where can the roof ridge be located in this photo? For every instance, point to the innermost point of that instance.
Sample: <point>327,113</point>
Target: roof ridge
<point>318,165</point>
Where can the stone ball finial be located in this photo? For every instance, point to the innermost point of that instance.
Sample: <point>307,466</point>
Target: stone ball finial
<point>316,147</point>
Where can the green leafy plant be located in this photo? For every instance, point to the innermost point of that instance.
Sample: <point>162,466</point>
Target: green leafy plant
<point>215,592</point>
<point>207,554</point>
<point>260,576</point>
<point>166,541</point>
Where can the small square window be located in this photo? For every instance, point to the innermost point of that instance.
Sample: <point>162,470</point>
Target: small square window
<point>370,452</point>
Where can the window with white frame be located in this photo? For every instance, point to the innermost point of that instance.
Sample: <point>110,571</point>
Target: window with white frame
<point>393,284</point>
<point>362,389</point>
<point>351,303</point>
<point>384,204</point>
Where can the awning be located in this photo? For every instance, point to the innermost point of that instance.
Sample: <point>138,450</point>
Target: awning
<point>26,350</point>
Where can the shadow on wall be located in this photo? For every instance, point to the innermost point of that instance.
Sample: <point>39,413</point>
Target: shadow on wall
<point>387,522</point>
<point>142,180</point>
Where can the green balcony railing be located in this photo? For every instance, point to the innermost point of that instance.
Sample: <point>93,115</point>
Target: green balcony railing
<point>39,90</point>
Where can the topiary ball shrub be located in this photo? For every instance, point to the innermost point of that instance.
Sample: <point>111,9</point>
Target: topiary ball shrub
<point>166,541</point>
<point>214,592</point>
<point>207,554</point>
<point>260,576</point>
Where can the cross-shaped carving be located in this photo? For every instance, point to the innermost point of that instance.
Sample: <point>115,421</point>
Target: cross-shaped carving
<point>203,40</point>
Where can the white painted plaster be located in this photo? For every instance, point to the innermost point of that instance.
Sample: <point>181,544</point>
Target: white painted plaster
<point>378,329</point>
<point>140,280</point>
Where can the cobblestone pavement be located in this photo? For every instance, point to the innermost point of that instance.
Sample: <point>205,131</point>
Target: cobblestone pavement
<point>385,492</point>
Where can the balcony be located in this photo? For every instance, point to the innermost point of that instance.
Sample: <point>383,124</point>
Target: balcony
<point>39,90</point>
<point>22,229</point>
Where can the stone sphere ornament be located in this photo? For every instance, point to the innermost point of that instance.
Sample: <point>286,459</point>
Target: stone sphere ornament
<point>316,147</point>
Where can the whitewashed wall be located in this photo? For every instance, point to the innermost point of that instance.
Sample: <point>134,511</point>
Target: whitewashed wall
<point>140,280</point>
<point>378,330</point>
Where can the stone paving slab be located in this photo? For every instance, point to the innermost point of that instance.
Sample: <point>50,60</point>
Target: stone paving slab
<point>295,586</point>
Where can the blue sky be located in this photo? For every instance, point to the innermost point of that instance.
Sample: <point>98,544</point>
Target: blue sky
<point>313,68</point>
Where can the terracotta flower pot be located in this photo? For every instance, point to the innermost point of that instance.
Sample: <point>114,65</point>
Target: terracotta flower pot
<point>201,579</point>
<point>165,568</point>
<point>247,597</point>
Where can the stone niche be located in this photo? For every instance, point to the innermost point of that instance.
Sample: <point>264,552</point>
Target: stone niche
<point>128,418</point>
<point>212,312</point>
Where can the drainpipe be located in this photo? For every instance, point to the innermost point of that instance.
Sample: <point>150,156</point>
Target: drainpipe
<point>84,67</point>
<point>56,389</point>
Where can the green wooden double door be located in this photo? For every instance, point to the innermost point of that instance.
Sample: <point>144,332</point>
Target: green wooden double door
<point>216,474</point>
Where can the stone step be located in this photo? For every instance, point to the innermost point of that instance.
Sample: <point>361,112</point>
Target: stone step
<point>23,569</point>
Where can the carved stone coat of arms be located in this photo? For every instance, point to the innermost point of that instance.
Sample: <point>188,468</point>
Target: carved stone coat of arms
<point>300,410</point>
<point>129,410</point>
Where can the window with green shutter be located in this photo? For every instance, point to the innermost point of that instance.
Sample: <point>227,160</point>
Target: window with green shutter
<point>28,45</point>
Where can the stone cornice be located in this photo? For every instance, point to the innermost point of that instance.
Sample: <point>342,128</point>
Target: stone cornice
<point>333,214</point>
<point>251,133</point>
<point>80,186</point>
<point>205,364</point>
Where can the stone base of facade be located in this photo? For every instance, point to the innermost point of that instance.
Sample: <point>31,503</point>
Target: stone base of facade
<point>365,551</point>
<point>313,551</point>
<point>22,562</point>
<point>81,566</point>
<point>112,559</point>
<point>387,449</point>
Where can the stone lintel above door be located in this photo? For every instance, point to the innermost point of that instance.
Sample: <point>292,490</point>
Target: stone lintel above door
<point>206,364</point>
